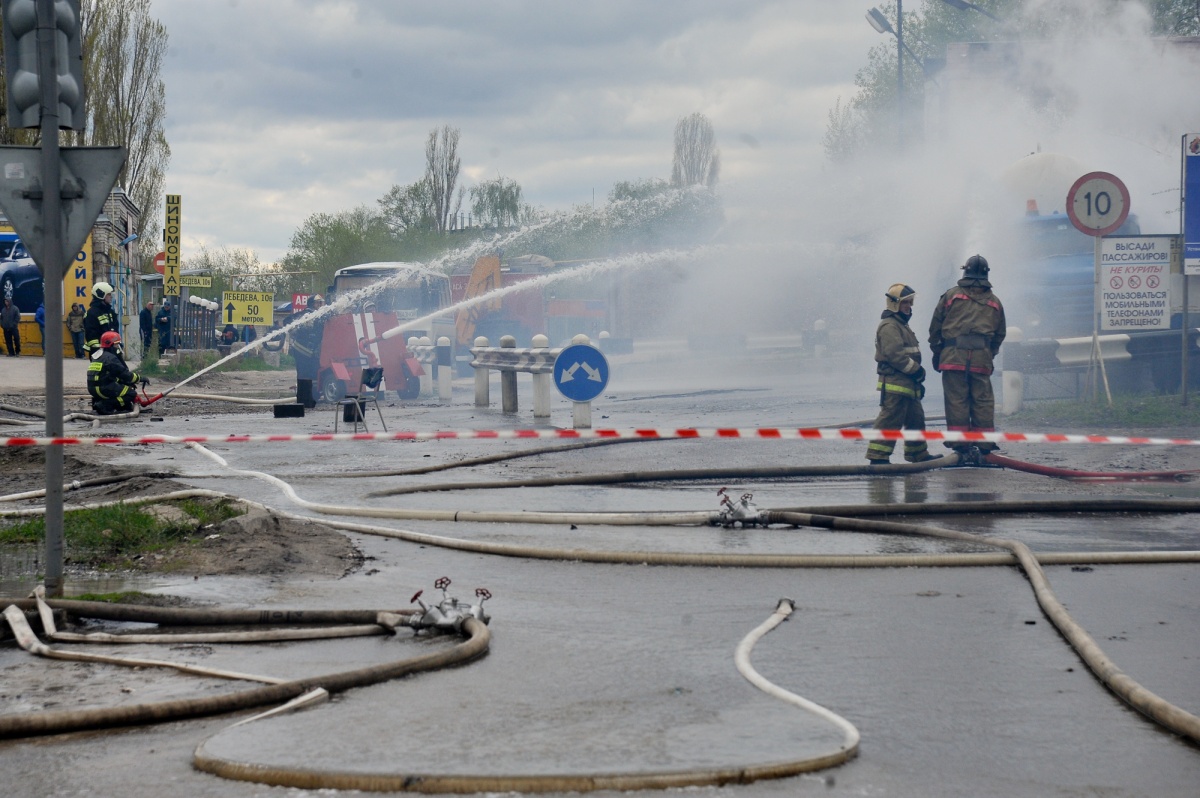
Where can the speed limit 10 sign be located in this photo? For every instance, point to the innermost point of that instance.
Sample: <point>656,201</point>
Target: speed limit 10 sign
<point>1098,203</point>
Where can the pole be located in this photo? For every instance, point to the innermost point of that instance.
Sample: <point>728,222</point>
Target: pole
<point>1096,353</point>
<point>1183,346</point>
<point>52,275</point>
<point>900,69</point>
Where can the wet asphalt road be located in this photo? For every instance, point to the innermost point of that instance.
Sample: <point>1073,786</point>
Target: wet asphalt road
<point>957,682</point>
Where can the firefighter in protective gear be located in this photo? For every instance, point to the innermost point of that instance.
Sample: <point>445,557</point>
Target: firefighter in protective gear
<point>110,382</point>
<point>306,349</point>
<point>901,383</point>
<point>965,335</point>
<point>100,318</point>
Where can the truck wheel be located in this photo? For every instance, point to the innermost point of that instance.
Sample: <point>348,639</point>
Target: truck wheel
<point>333,390</point>
<point>412,384</point>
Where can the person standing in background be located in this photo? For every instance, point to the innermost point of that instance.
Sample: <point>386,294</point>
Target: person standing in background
<point>39,316</point>
<point>99,318</point>
<point>163,322</point>
<point>75,328</point>
<point>10,321</point>
<point>146,327</point>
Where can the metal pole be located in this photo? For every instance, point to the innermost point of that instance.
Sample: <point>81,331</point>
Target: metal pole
<point>900,68</point>
<point>1183,346</point>
<point>52,275</point>
<point>1096,353</point>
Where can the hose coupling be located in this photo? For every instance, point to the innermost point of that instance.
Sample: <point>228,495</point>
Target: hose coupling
<point>740,513</point>
<point>448,614</point>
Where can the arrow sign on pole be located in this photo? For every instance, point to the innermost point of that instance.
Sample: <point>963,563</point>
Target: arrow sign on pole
<point>568,363</point>
<point>88,175</point>
<point>229,309</point>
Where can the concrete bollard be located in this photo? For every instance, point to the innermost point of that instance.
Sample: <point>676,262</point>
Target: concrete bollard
<point>1012,383</point>
<point>430,371</point>
<point>445,369</point>
<point>508,380</point>
<point>541,383</point>
<point>483,376</point>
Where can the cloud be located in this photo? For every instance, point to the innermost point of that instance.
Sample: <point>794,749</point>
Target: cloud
<point>278,109</point>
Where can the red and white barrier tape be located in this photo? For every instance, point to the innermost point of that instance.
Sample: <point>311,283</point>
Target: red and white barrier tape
<point>751,433</point>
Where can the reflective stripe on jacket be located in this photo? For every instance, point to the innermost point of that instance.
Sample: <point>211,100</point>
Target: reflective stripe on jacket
<point>109,378</point>
<point>967,329</point>
<point>897,355</point>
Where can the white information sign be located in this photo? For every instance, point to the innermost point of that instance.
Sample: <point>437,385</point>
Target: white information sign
<point>1135,285</point>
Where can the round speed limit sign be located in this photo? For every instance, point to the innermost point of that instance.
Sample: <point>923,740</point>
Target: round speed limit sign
<point>1098,203</point>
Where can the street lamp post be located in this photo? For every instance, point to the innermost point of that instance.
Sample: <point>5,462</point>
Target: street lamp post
<point>880,23</point>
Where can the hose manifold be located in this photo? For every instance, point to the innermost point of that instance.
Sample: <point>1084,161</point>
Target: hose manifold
<point>449,614</point>
<point>740,513</point>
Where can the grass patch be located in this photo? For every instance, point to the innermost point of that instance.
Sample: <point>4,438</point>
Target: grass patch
<point>117,535</point>
<point>1128,412</point>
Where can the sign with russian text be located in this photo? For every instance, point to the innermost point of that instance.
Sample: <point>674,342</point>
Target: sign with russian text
<point>171,245</point>
<point>247,307</point>
<point>1135,285</point>
<point>1191,206</point>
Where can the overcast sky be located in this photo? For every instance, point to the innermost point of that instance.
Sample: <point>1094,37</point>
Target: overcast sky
<point>279,109</point>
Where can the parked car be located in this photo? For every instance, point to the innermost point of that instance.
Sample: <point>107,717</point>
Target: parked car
<point>20,278</point>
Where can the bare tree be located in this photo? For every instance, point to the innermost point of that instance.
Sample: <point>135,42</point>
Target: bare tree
<point>441,173</point>
<point>697,160</point>
<point>123,51</point>
<point>497,202</point>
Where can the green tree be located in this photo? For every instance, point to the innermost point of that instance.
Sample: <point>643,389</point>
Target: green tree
<point>441,174</point>
<point>697,161</point>
<point>497,202</point>
<point>407,209</point>
<point>871,114</point>
<point>328,242</point>
<point>123,54</point>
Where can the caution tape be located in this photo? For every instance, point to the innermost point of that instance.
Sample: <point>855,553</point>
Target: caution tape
<point>723,433</point>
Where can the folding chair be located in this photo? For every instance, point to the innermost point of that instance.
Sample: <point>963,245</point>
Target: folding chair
<point>351,408</point>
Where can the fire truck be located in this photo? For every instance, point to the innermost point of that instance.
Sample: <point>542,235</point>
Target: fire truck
<point>384,297</point>
<point>559,309</point>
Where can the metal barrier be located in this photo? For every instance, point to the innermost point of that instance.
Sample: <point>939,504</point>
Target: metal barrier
<point>537,360</point>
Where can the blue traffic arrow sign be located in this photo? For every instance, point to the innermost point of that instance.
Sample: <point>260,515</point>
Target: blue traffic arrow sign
<point>581,372</point>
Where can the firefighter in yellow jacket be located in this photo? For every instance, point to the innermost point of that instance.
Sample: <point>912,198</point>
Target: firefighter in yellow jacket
<point>965,336</point>
<point>901,382</point>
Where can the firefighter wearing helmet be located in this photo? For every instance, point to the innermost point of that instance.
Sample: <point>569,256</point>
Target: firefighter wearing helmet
<point>901,382</point>
<point>965,335</point>
<point>100,318</point>
<point>112,385</point>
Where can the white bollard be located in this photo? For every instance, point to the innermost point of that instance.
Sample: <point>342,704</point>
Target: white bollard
<point>445,369</point>
<point>508,380</point>
<point>427,380</point>
<point>541,383</point>
<point>483,376</point>
<point>1012,383</point>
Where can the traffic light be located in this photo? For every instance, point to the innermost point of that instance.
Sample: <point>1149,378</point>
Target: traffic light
<point>23,67</point>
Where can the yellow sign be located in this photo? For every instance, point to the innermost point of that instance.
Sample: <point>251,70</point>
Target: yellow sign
<point>171,234</point>
<point>195,281</point>
<point>247,307</point>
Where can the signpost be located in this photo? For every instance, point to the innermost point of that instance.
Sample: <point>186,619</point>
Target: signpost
<point>1098,204</point>
<point>172,245</point>
<point>581,374</point>
<point>1189,226</point>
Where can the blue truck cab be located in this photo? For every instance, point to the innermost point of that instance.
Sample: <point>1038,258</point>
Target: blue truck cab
<point>1049,288</point>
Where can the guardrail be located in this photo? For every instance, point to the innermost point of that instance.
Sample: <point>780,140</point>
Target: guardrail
<point>1128,356</point>
<point>436,359</point>
<point>537,360</point>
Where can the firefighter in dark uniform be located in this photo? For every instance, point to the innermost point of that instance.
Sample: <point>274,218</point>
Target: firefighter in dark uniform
<point>100,318</point>
<point>110,382</point>
<point>901,383</point>
<point>965,335</point>
<point>306,350</point>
